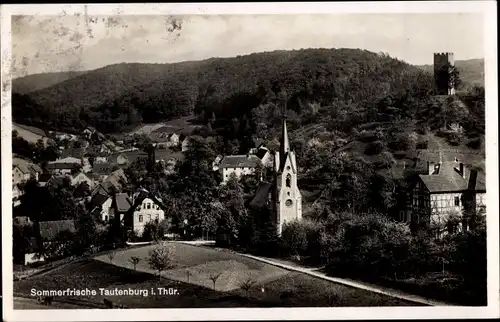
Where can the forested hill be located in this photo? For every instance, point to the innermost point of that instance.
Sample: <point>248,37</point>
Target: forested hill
<point>36,82</point>
<point>117,96</point>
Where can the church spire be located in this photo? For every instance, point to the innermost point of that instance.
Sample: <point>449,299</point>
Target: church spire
<point>284,144</point>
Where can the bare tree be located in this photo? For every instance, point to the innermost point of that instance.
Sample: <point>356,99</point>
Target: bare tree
<point>160,259</point>
<point>134,260</point>
<point>214,278</point>
<point>111,256</point>
<point>247,284</point>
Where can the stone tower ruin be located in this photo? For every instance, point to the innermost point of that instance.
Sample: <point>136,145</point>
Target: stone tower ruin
<point>444,64</point>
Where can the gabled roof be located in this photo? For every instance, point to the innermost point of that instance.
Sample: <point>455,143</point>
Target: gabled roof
<point>449,180</point>
<point>140,198</point>
<point>122,202</point>
<point>22,167</point>
<point>237,161</point>
<point>50,229</point>
<point>36,168</point>
<point>261,196</point>
<point>67,160</point>
<point>98,200</point>
<point>54,166</point>
<point>262,153</point>
<point>102,168</point>
<point>77,153</point>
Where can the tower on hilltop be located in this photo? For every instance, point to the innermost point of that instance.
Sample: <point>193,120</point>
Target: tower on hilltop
<point>444,65</point>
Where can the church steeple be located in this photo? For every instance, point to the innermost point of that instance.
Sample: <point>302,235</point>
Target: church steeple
<point>284,144</point>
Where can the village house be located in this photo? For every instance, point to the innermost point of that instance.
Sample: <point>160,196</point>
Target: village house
<point>447,190</point>
<point>101,205</point>
<point>145,208</point>
<point>102,170</point>
<point>63,167</point>
<point>23,171</point>
<point>114,182</point>
<point>120,204</point>
<point>238,164</point>
<point>185,144</point>
<point>265,156</point>
<point>82,178</point>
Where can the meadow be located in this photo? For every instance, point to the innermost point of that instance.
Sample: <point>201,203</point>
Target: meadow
<point>273,287</point>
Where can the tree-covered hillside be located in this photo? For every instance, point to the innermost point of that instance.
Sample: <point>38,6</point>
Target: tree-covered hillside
<point>117,96</point>
<point>37,82</point>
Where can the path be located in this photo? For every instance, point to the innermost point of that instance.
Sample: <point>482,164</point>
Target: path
<point>314,272</point>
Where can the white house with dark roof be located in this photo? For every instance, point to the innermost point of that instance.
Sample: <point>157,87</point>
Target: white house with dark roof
<point>136,210</point>
<point>81,178</point>
<point>447,189</point>
<point>22,172</point>
<point>238,164</point>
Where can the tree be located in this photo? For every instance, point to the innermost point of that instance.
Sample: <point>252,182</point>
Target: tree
<point>247,284</point>
<point>160,258</point>
<point>134,260</point>
<point>111,256</point>
<point>214,277</point>
<point>294,238</point>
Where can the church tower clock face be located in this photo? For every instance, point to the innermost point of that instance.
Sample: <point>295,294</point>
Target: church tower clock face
<point>289,203</point>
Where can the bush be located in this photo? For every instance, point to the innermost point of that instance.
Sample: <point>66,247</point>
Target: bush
<point>474,143</point>
<point>294,238</point>
<point>422,145</point>
<point>453,138</point>
<point>367,136</point>
<point>400,143</point>
<point>374,148</point>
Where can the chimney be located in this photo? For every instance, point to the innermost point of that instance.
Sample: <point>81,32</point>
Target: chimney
<point>472,180</point>
<point>430,168</point>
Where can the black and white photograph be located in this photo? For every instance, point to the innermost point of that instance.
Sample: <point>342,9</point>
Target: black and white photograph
<point>233,156</point>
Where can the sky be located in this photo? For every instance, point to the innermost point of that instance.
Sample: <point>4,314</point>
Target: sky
<point>43,44</point>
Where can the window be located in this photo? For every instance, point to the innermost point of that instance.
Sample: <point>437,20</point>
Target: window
<point>457,201</point>
<point>157,207</point>
<point>141,219</point>
<point>288,180</point>
<point>148,206</point>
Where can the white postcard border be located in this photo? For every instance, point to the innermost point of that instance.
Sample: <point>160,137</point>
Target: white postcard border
<point>488,8</point>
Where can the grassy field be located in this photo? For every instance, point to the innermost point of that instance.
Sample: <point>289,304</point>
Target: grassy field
<point>274,287</point>
<point>175,125</point>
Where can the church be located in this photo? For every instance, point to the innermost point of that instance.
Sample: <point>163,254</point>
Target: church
<point>282,195</point>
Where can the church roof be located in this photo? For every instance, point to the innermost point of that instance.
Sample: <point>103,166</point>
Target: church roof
<point>236,161</point>
<point>261,196</point>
